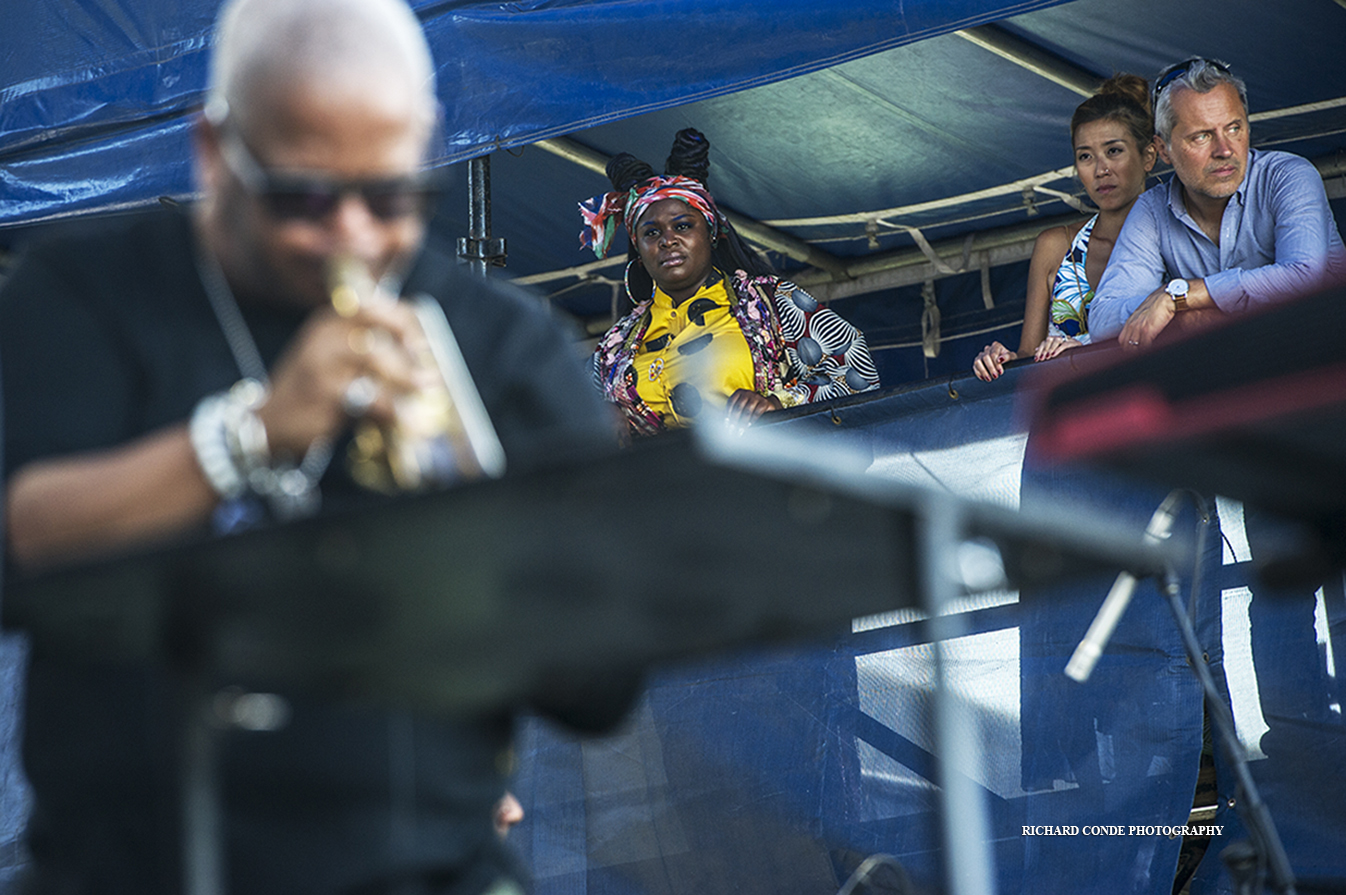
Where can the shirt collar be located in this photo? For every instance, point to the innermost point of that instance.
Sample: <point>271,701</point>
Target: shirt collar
<point>1242,191</point>
<point>713,289</point>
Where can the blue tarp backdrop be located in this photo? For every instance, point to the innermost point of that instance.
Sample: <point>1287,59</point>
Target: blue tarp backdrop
<point>96,98</point>
<point>780,771</point>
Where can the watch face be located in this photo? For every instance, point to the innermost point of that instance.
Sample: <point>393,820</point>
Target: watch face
<point>1176,287</point>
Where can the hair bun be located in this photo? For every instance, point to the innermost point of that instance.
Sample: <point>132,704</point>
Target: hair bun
<point>690,155</point>
<point>1132,88</point>
<point>1124,98</point>
<point>625,171</point>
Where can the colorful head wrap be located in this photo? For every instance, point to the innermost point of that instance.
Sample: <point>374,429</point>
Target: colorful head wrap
<point>600,213</point>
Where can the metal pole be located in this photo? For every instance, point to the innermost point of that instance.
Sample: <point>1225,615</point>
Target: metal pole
<point>203,821</point>
<point>1268,851</point>
<point>969,865</point>
<point>479,211</point>
<point>478,248</point>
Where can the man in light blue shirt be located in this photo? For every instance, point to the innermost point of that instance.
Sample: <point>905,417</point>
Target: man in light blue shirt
<point>1232,230</point>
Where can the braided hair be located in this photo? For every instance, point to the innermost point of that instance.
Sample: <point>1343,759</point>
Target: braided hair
<point>689,157</point>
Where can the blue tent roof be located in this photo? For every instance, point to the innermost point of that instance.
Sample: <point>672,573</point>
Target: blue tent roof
<point>96,105</point>
<point>869,110</point>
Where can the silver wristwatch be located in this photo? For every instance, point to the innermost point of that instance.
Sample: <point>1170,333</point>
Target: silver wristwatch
<point>1178,288</point>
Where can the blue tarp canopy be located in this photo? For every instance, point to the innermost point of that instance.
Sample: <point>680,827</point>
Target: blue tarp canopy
<point>99,94</point>
<point>839,125</point>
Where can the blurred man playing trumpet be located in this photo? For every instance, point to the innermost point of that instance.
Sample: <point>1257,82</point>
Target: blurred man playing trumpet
<point>165,372</point>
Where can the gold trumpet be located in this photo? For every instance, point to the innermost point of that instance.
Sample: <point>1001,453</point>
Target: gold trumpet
<point>441,432</point>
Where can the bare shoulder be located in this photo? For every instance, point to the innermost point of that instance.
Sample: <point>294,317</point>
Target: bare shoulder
<point>1053,243</point>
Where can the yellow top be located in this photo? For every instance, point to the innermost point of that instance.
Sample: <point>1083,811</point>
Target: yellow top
<point>692,355</point>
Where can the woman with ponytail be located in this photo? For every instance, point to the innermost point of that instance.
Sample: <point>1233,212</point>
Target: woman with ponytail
<point>1113,135</point>
<point>714,332</point>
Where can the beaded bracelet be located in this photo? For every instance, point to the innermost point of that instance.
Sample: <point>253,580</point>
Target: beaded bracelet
<point>229,438</point>
<point>231,447</point>
<point>211,445</point>
<point>244,429</point>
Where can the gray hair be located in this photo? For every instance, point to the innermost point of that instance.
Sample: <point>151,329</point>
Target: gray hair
<point>1201,75</point>
<point>261,43</point>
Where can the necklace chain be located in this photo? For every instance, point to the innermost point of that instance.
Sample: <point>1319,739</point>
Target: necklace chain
<point>248,358</point>
<point>236,333</point>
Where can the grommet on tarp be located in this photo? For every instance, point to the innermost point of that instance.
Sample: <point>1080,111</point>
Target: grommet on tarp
<point>929,321</point>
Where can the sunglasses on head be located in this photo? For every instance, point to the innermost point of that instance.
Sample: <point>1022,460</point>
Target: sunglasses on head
<point>310,197</point>
<point>1173,72</point>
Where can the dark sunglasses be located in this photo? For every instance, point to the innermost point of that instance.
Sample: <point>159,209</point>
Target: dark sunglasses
<point>311,197</point>
<point>1173,72</point>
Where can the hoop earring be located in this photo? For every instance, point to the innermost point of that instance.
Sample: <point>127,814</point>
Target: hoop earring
<point>626,283</point>
<point>626,279</point>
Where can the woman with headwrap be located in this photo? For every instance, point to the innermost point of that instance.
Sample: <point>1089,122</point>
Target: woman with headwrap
<point>713,331</point>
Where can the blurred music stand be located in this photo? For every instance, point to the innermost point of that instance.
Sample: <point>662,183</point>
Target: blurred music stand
<point>1254,408</point>
<point>466,599</point>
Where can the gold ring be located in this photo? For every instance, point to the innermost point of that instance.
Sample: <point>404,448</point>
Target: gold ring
<point>346,300</point>
<point>358,340</point>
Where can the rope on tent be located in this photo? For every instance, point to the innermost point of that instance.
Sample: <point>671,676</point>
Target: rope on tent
<point>987,298</point>
<point>995,192</point>
<point>929,252</point>
<point>985,330</point>
<point>930,321</point>
<point>1070,199</point>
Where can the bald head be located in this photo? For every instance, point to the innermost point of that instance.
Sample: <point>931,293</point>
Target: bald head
<point>268,50</point>
<point>314,107</point>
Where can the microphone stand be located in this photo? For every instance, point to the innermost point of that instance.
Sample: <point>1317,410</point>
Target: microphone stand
<point>1248,863</point>
<point>1090,649</point>
<point>1267,853</point>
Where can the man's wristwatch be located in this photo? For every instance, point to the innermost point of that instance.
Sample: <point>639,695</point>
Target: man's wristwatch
<point>1177,288</point>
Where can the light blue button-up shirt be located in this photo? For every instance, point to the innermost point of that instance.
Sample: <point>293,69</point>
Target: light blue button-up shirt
<point>1278,239</point>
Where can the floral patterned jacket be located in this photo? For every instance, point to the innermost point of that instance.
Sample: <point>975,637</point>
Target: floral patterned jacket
<point>801,351</point>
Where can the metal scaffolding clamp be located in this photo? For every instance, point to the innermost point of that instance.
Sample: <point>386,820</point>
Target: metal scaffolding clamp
<point>489,251</point>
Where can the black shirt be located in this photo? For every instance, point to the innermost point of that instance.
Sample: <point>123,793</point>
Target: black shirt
<point>108,335</point>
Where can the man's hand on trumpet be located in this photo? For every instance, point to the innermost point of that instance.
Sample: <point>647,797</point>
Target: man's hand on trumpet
<point>339,367</point>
